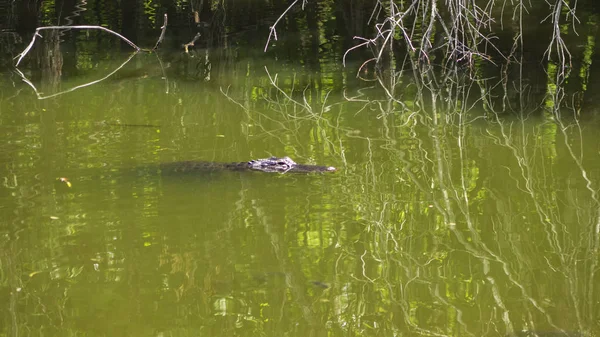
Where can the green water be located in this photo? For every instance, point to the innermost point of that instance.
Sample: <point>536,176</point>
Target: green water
<point>454,227</point>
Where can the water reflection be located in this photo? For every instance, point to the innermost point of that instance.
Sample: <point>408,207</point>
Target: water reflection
<point>447,228</point>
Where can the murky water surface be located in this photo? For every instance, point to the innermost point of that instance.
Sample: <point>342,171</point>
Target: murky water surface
<point>453,227</point>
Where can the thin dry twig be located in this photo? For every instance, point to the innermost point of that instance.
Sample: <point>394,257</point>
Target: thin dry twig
<point>24,52</point>
<point>133,45</point>
<point>191,43</point>
<point>162,33</point>
<point>273,31</point>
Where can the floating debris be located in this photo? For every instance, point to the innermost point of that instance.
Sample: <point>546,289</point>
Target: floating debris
<point>64,180</point>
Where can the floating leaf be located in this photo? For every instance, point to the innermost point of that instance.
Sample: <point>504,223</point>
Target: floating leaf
<point>65,180</point>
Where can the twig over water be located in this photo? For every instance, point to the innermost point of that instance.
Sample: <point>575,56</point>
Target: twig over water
<point>133,45</point>
<point>162,33</point>
<point>20,56</point>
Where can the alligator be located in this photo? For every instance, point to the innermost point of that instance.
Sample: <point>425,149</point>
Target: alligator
<point>270,165</point>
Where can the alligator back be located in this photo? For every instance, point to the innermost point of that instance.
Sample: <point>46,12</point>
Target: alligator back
<point>192,166</point>
<point>272,164</point>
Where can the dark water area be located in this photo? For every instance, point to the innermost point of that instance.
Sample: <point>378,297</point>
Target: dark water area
<point>468,209</point>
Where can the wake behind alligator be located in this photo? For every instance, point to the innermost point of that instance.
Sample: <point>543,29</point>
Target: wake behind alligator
<point>269,165</point>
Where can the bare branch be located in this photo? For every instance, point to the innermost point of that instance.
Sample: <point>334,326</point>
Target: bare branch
<point>273,32</point>
<point>24,52</point>
<point>191,43</point>
<point>162,33</point>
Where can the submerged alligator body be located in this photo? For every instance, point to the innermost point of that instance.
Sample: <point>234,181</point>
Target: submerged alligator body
<point>270,165</point>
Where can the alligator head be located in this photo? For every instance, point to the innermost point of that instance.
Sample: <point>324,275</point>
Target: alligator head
<point>284,165</point>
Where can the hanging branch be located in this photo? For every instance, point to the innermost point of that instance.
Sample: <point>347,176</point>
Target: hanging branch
<point>273,32</point>
<point>162,33</point>
<point>137,49</point>
<point>191,43</point>
<point>20,56</point>
<point>133,45</point>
